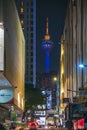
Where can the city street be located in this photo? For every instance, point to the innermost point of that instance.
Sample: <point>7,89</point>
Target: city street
<point>43,64</point>
<point>44,129</point>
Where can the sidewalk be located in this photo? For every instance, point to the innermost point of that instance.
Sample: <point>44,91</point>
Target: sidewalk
<point>62,128</point>
<point>18,128</point>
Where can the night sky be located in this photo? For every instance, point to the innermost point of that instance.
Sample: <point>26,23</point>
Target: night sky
<point>55,10</point>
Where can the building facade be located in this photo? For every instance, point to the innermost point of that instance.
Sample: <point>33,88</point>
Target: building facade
<point>27,14</point>
<point>49,84</point>
<point>74,46</point>
<point>12,53</point>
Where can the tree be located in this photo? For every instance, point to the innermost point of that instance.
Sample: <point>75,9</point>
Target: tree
<point>33,97</point>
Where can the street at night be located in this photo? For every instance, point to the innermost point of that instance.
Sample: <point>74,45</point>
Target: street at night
<point>43,65</point>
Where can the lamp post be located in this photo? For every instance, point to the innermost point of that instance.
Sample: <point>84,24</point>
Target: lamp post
<point>82,66</point>
<point>81,90</point>
<point>56,80</point>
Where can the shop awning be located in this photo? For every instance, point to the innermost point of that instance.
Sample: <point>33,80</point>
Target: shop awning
<point>4,83</point>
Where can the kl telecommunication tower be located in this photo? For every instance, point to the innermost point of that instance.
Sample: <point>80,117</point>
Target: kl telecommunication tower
<point>47,45</point>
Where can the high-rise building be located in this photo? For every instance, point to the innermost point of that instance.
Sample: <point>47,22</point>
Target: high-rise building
<point>73,79</point>
<point>12,61</point>
<point>27,14</point>
<point>48,84</point>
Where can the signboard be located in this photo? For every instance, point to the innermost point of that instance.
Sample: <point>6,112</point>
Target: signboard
<point>78,124</point>
<point>41,120</point>
<point>40,113</point>
<point>6,95</point>
<point>81,124</point>
<point>49,99</point>
<point>75,125</point>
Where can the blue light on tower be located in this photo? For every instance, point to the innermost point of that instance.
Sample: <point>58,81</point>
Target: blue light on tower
<point>47,45</point>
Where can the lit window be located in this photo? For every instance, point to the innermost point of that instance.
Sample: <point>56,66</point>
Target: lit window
<point>21,10</point>
<point>22,22</point>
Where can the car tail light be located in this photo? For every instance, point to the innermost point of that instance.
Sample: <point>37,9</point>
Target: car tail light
<point>33,124</point>
<point>36,124</point>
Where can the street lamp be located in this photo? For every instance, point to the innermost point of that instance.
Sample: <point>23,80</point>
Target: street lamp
<point>56,81</point>
<point>82,65</point>
<point>55,78</point>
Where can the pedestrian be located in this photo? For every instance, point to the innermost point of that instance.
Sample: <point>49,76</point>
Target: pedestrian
<point>69,124</point>
<point>59,123</point>
<point>2,127</point>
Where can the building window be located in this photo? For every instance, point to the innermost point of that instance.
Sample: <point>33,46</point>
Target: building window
<point>27,3</point>
<point>27,28</point>
<point>21,3</point>
<point>21,16</point>
<point>31,40</point>
<point>31,78</point>
<point>27,22</point>
<point>23,28</point>
<point>31,3</point>
<point>27,16</point>
<point>31,66</point>
<point>27,35</point>
<point>31,9</point>
<point>31,47</point>
<point>31,22</point>
<point>31,34</point>
<point>31,16</point>
<point>31,60</point>
<point>21,10</point>
<point>27,9</point>
<point>31,28</point>
<point>22,22</point>
<point>27,40</point>
<point>31,73</point>
<point>31,53</point>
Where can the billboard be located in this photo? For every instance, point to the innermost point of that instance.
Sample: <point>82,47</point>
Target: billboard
<point>81,123</point>
<point>49,99</point>
<point>1,48</point>
<point>75,125</point>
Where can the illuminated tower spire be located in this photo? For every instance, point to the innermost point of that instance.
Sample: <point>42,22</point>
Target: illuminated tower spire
<point>47,36</point>
<point>47,45</point>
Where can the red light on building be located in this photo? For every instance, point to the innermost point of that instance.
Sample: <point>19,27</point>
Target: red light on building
<point>75,125</point>
<point>81,124</point>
